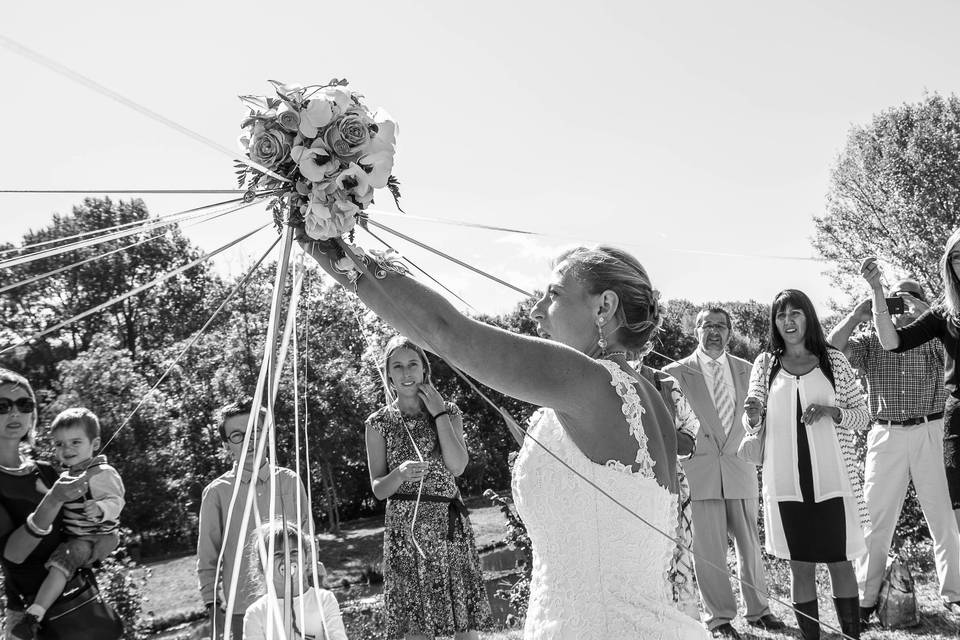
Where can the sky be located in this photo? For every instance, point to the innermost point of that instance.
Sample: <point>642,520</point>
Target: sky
<point>698,135</point>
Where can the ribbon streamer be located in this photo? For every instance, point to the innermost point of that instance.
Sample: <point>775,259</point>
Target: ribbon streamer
<point>123,191</point>
<point>420,269</point>
<point>525,232</point>
<point>264,385</point>
<point>150,225</point>
<point>56,67</point>
<point>449,257</point>
<point>132,292</point>
<point>124,225</point>
<point>239,286</point>
<point>100,256</point>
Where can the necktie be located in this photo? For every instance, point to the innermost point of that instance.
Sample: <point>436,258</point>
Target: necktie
<point>723,396</point>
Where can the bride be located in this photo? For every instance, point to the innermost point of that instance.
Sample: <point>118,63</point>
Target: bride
<point>598,570</point>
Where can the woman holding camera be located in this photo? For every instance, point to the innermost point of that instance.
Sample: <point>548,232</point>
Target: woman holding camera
<point>941,321</point>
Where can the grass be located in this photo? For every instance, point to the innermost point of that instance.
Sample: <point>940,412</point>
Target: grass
<point>936,623</point>
<point>172,585</point>
<point>172,592</point>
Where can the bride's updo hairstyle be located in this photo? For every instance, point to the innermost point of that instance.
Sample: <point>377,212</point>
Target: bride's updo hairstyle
<point>603,268</point>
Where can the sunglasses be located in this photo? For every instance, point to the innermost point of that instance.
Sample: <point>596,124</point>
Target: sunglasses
<point>23,405</point>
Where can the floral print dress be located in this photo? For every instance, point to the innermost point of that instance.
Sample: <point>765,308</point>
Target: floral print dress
<point>441,592</point>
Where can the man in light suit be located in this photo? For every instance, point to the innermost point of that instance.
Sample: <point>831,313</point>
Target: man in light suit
<point>724,489</point>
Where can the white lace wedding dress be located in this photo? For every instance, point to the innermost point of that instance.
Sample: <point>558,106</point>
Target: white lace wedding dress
<point>598,571</point>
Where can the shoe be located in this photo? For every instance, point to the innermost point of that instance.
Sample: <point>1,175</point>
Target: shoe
<point>809,629</point>
<point>27,628</point>
<point>725,630</point>
<point>769,622</point>
<point>848,613</point>
<point>867,612</point>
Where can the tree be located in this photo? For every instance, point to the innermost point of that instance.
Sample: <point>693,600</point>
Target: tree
<point>146,452</point>
<point>156,317</point>
<point>895,193</point>
<point>677,337</point>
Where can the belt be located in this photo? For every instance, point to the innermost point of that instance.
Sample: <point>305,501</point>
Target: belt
<point>457,509</point>
<point>912,421</point>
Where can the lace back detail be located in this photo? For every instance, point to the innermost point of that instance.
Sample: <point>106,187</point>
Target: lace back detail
<point>633,411</point>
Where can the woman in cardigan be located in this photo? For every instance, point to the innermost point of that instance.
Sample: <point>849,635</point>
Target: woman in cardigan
<point>806,398</point>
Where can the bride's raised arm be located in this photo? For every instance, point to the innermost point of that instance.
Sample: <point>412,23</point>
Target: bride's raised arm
<point>542,372</point>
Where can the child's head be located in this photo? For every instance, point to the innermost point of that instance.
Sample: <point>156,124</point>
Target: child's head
<point>18,407</point>
<point>76,435</point>
<point>288,544</point>
<point>232,426</point>
<point>405,366</point>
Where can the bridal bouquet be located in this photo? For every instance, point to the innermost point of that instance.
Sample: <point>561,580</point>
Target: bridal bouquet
<point>320,153</point>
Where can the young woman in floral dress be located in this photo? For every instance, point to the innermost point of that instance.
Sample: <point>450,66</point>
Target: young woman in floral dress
<point>415,449</point>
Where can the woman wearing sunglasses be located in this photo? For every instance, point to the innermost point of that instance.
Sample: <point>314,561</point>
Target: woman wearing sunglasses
<point>29,512</point>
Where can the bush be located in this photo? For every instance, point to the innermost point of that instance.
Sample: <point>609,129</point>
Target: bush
<point>518,595</point>
<point>123,591</point>
<point>364,623</point>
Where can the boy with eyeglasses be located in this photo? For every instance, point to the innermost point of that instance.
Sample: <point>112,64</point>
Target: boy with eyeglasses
<point>220,528</point>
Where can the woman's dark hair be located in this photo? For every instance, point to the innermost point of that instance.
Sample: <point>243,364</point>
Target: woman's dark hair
<point>814,339</point>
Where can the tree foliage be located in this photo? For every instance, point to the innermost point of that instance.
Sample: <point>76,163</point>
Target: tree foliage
<point>162,314</point>
<point>895,193</point>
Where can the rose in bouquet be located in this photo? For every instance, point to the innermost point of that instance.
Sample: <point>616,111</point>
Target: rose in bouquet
<point>320,153</point>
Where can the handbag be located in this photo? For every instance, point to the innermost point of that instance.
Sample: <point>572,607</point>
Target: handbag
<point>897,601</point>
<point>81,613</point>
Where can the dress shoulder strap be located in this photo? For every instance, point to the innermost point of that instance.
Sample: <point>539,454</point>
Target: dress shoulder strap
<point>625,386</point>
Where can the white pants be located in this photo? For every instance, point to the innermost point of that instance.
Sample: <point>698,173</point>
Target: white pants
<point>896,455</point>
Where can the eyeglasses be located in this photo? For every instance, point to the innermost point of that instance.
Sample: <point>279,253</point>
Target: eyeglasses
<point>236,437</point>
<point>23,405</point>
<point>710,326</point>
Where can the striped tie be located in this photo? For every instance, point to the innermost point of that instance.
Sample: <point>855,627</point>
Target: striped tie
<point>724,400</point>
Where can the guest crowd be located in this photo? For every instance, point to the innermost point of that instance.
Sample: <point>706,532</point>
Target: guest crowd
<point>793,413</point>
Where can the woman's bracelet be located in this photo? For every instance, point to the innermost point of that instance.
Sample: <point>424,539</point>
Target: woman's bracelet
<point>442,413</point>
<point>36,531</point>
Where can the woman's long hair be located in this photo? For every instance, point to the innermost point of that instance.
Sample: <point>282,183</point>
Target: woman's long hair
<point>951,284</point>
<point>395,344</point>
<point>813,339</point>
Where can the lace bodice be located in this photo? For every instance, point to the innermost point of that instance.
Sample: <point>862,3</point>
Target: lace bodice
<point>598,571</point>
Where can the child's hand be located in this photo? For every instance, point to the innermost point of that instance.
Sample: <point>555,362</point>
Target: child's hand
<point>66,488</point>
<point>93,511</point>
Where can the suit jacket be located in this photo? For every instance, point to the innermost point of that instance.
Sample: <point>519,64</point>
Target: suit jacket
<point>715,471</point>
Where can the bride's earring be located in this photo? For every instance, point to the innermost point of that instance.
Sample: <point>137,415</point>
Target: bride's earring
<point>602,342</point>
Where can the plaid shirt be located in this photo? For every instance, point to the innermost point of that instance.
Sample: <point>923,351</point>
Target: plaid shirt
<point>902,385</point>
